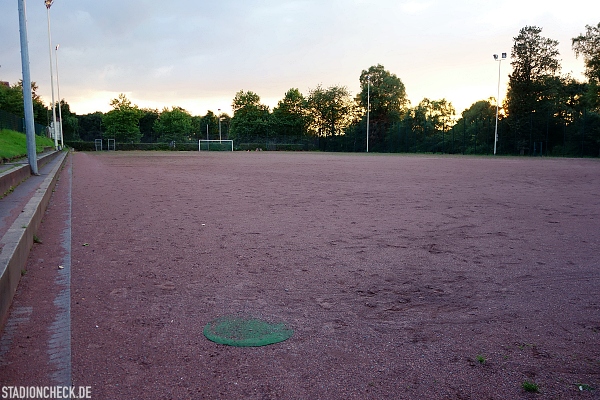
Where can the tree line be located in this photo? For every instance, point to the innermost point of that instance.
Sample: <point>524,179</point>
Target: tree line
<point>544,112</point>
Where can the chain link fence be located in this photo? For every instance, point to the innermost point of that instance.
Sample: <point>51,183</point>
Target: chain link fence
<point>15,123</point>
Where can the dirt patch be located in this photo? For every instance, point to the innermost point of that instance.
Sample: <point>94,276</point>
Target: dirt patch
<point>402,277</point>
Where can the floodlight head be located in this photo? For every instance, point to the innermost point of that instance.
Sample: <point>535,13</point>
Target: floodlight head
<point>495,56</point>
<point>48,3</point>
<point>57,46</point>
<point>503,55</point>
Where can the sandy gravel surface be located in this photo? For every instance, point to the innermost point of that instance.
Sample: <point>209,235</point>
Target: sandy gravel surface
<point>396,272</point>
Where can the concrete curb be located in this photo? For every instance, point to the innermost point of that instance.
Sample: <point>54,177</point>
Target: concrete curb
<point>14,176</point>
<point>19,238</point>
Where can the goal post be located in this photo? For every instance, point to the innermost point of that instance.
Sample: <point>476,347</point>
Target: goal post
<point>215,145</point>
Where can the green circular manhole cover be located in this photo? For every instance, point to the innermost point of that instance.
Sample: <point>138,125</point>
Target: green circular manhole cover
<point>246,331</point>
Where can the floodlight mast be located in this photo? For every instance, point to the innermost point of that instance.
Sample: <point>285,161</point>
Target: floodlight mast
<point>368,107</point>
<point>48,5</point>
<point>497,98</point>
<point>27,99</point>
<point>62,145</point>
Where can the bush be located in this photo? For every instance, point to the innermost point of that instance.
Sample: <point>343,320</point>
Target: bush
<point>91,146</point>
<point>81,146</point>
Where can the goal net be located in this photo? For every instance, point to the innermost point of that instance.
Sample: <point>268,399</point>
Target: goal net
<point>215,145</point>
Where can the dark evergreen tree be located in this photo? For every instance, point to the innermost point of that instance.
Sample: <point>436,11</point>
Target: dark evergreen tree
<point>532,85</point>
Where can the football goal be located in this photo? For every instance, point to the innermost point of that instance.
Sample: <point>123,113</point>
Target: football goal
<point>215,145</point>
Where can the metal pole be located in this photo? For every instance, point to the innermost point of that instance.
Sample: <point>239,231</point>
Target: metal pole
<point>27,100</point>
<point>48,5</point>
<point>497,101</point>
<point>497,98</point>
<point>368,107</point>
<point>62,144</point>
<point>219,125</point>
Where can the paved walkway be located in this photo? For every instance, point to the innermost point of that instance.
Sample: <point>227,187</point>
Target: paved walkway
<point>33,319</point>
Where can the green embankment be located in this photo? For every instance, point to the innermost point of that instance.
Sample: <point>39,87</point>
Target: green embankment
<point>13,144</point>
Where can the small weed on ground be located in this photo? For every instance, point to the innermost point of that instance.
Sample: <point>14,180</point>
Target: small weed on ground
<point>9,191</point>
<point>480,359</point>
<point>36,239</point>
<point>584,387</point>
<point>530,387</point>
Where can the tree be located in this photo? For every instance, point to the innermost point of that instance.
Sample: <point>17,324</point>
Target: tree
<point>588,46</point>
<point>331,110</point>
<point>90,126</point>
<point>122,123</point>
<point>387,96</point>
<point>387,92</point>
<point>290,117</point>
<point>429,121</point>
<point>250,117</point>
<point>225,124</point>
<point>208,127</point>
<point>70,123</point>
<point>174,125</point>
<point>149,117</point>
<point>474,131</point>
<point>533,56</point>
<point>564,119</point>
<point>535,67</point>
<point>11,100</point>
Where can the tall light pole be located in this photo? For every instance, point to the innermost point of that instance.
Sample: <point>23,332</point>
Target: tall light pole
<point>219,111</point>
<point>48,5</point>
<point>368,107</point>
<point>27,100</point>
<point>497,98</point>
<point>62,145</point>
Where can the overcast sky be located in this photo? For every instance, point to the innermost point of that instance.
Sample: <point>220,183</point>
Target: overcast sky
<point>198,54</point>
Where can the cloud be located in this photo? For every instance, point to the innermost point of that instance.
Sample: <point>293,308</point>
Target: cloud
<point>162,72</point>
<point>194,54</point>
<point>415,7</point>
